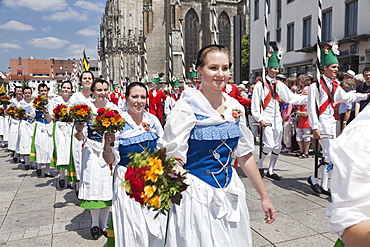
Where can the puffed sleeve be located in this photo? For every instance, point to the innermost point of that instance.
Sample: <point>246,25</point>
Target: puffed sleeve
<point>350,181</point>
<point>176,133</point>
<point>246,141</point>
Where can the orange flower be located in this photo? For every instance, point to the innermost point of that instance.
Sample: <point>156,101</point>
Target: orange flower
<point>105,122</point>
<point>82,112</point>
<point>148,192</point>
<point>155,202</point>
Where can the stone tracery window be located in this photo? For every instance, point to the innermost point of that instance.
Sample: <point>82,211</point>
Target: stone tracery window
<point>191,37</point>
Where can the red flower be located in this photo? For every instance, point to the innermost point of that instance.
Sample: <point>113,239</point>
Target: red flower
<point>108,114</point>
<point>101,111</point>
<point>78,107</point>
<point>137,185</point>
<point>137,197</point>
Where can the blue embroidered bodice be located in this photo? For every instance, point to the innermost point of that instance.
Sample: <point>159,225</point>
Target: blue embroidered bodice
<point>41,117</point>
<point>137,144</point>
<point>210,152</point>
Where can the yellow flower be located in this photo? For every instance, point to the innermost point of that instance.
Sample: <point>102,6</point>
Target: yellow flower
<point>157,168</point>
<point>82,112</point>
<point>155,202</point>
<point>150,175</point>
<point>148,192</point>
<point>113,120</point>
<point>105,122</point>
<point>63,111</point>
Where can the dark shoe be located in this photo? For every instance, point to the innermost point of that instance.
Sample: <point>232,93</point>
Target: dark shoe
<point>27,167</point>
<point>273,176</point>
<point>49,175</point>
<point>303,156</point>
<point>76,194</point>
<point>297,154</point>
<point>95,232</point>
<point>38,172</point>
<point>72,186</point>
<point>261,172</point>
<point>62,183</point>
<point>104,232</point>
<point>315,187</point>
<point>325,192</point>
<point>15,159</point>
<point>33,167</point>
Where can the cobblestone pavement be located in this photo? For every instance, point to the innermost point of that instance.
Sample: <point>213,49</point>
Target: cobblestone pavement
<point>36,212</point>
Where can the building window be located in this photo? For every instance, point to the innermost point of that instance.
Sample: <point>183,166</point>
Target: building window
<point>191,37</point>
<point>351,18</point>
<point>256,9</point>
<point>289,1</point>
<point>268,6</point>
<point>290,37</point>
<point>326,25</point>
<point>224,30</point>
<point>306,41</point>
<point>278,20</point>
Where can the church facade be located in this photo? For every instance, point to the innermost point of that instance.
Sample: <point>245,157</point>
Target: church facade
<point>142,38</point>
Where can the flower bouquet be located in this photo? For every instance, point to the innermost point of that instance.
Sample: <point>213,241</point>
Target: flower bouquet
<point>11,111</point>
<point>80,113</point>
<point>154,180</point>
<point>107,120</point>
<point>40,102</point>
<point>19,112</point>
<point>4,100</point>
<point>61,114</point>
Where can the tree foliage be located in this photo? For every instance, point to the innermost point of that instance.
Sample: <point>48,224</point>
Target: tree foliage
<point>245,57</point>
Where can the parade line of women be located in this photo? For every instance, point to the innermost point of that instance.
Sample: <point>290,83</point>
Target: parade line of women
<point>213,210</point>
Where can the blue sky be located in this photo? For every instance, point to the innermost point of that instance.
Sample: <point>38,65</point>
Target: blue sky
<point>49,28</point>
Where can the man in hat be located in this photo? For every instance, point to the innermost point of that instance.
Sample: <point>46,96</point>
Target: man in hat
<point>194,78</point>
<point>156,98</point>
<point>266,109</point>
<point>115,97</point>
<point>350,74</point>
<point>175,94</point>
<point>321,96</point>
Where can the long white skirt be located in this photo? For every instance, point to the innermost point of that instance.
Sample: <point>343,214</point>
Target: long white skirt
<point>13,133</point>
<point>134,225</point>
<point>63,133</point>
<point>25,137</point>
<point>209,216</point>
<point>6,128</point>
<point>1,125</point>
<point>43,142</point>
<point>96,181</point>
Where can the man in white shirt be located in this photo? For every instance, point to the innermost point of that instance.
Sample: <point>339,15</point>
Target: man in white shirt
<point>321,114</point>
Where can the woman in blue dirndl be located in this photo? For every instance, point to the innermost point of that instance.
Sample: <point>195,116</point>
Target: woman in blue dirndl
<point>133,225</point>
<point>205,131</point>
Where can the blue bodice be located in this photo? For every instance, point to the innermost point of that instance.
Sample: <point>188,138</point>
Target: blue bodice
<point>40,117</point>
<point>210,152</point>
<point>137,144</point>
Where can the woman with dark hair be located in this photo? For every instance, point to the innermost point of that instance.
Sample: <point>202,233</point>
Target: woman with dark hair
<point>26,128</point>
<point>81,97</point>
<point>95,191</point>
<point>133,225</point>
<point>61,134</point>
<point>205,130</point>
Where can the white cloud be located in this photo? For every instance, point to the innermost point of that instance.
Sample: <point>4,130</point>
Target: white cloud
<point>75,51</point>
<point>70,14</point>
<point>16,26</point>
<point>90,6</point>
<point>47,29</point>
<point>49,43</point>
<point>90,31</point>
<point>9,46</point>
<point>37,5</point>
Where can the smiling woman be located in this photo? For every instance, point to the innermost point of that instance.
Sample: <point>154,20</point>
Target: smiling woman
<point>205,131</point>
